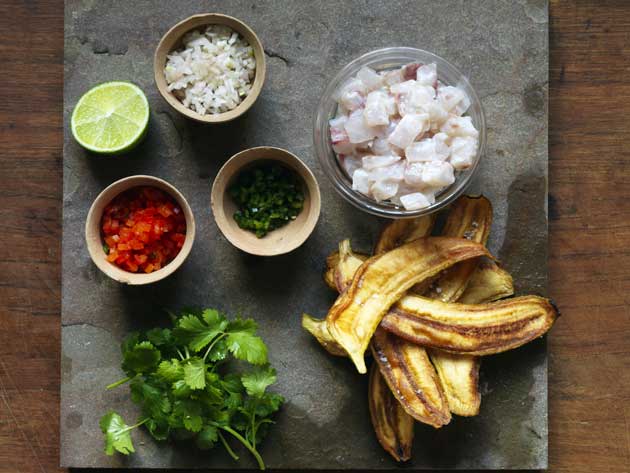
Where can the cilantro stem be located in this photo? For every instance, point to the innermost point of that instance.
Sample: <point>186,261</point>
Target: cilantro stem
<point>119,382</point>
<point>227,447</point>
<point>212,345</point>
<point>261,463</point>
<point>136,425</point>
<point>187,352</point>
<point>180,354</point>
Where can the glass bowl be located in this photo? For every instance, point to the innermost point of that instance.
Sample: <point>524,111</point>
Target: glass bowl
<point>383,59</point>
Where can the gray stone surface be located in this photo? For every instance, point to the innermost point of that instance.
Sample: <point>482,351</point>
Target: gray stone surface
<point>501,46</point>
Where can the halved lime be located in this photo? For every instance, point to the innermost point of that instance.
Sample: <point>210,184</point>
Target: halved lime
<point>111,117</point>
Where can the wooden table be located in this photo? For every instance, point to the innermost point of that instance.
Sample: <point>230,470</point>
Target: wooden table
<point>589,210</point>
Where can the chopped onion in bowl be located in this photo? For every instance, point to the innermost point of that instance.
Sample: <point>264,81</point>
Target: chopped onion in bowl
<point>213,72</point>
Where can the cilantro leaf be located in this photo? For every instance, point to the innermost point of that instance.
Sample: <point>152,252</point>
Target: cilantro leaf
<point>187,414</point>
<point>196,332</point>
<point>160,337</point>
<point>244,344</point>
<point>170,370</point>
<point>257,381</point>
<point>159,430</point>
<point>180,389</point>
<point>154,400</point>
<point>141,358</point>
<point>195,373</point>
<point>207,437</point>
<point>116,432</point>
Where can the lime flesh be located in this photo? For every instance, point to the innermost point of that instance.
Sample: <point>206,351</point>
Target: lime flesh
<point>111,117</point>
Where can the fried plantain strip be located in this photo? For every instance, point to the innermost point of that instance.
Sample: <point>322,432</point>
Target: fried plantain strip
<point>399,232</point>
<point>411,378</point>
<point>318,328</point>
<point>488,283</point>
<point>470,218</point>
<point>348,264</point>
<point>394,428</point>
<point>472,329</point>
<point>332,260</point>
<point>382,280</point>
<point>459,377</point>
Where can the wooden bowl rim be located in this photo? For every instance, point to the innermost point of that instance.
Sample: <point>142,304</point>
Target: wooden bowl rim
<point>171,38</point>
<point>94,240</point>
<point>231,232</point>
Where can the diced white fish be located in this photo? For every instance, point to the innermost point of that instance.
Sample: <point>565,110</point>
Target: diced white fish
<point>421,151</point>
<point>338,136</point>
<point>373,162</point>
<point>459,126</point>
<point>381,146</point>
<point>360,181</point>
<point>370,78</point>
<point>416,100</point>
<point>393,77</point>
<point>403,88</point>
<point>376,109</point>
<point>442,149</point>
<point>450,97</point>
<point>413,175</point>
<point>344,148</point>
<point>392,173</point>
<point>438,174</point>
<point>352,94</point>
<point>357,129</point>
<point>463,105</point>
<point>427,75</point>
<point>414,201</point>
<point>437,114</point>
<point>408,129</point>
<point>351,163</point>
<point>383,190</point>
<point>463,152</point>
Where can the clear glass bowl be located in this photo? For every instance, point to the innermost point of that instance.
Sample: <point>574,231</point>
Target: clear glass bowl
<point>381,59</point>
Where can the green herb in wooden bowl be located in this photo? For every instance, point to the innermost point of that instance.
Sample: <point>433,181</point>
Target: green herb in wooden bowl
<point>268,196</point>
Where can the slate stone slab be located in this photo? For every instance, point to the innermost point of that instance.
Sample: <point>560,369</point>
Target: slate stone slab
<point>501,46</point>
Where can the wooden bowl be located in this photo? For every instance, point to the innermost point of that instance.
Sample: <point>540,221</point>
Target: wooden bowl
<point>283,239</point>
<point>172,40</point>
<point>95,241</point>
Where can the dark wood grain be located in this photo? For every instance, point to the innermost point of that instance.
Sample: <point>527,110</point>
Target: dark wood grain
<point>589,208</point>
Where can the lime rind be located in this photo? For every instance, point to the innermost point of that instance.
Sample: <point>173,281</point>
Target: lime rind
<point>111,117</point>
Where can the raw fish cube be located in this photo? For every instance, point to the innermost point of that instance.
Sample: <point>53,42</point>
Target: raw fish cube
<point>360,181</point>
<point>409,127</point>
<point>383,190</point>
<point>413,174</point>
<point>450,96</point>
<point>373,162</point>
<point>357,129</point>
<point>351,163</point>
<point>352,94</point>
<point>427,75</point>
<point>438,174</point>
<point>463,152</point>
<point>376,109</point>
<point>423,150</point>
<point>370,78</point>
<point>414,201</point>
<point>381,146</point>
<point>441,141</point>
<point>393,173</point>
<point>460,126</point>
<point>437,114</point>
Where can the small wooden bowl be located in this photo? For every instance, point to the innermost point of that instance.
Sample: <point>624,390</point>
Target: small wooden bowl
<point>172,40</point>
<point>94,239</point>
<point>283,239</point>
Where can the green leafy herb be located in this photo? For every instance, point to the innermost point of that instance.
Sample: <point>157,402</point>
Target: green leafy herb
<point>188,391</point>
<point>268,197</point>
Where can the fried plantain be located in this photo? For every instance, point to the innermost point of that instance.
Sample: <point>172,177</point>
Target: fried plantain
<point>318,328</point>
<point>411,378</point>
<point>470,218</point>
<point>488,283</point>
<point>381,280</point>
<point>399,232</point>
<point>394,428</point>
<point>472,329</point>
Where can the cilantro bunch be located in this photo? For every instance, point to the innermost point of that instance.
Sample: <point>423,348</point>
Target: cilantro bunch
<point>186,390</point>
